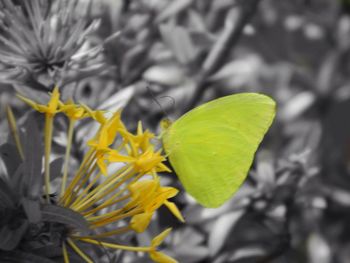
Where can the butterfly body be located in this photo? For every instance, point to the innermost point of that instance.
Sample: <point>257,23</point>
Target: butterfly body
<point>212,147</point>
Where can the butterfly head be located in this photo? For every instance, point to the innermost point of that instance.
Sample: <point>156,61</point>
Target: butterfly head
<point>165,124</point>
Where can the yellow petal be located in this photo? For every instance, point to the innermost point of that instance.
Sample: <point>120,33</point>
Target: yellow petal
<point>163,168</point>
<point>167,192</point>
<point>160,257</point>
<point>174,210</point>
<point>99,117</point>
<point>53,103</point>
<point>139,128</point>
<point>140,222</point>
<point>102,165</point>
<point>42,108</point>
<point>103,138</point>
<point>114,124</point>
<point>96,115</point>
<point>143,192</point>
<point>159,239</point>
<point>31,103</point>
<point>114,156</point>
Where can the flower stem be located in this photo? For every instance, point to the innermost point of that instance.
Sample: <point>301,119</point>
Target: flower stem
<point>121,230</point>
<point>112,217</point>
<point>48,143</point>
<point>65,253</point>
<point>87,162</point>
<point>116,246</point>
<point>79,251</point>
<point>102,190</point>
<point>67,155</point>
<point>13,127</point>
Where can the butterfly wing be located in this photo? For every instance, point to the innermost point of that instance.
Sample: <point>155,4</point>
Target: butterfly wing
<point>212,147</point>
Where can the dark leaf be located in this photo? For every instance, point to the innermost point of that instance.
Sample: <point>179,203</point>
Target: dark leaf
<point>11,237</point>
<point>6,196</point>
<point>55,168</point>
<point>134,59</point>
<point>33,159</point>
<point>58,214</point>
<point>32,210</point>
<point>48,250</point>
<point>22,257</point>
<point>17,181</point>
<point>11,158</point>
<point>248,254</point>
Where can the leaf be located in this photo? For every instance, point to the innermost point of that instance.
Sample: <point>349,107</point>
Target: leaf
<point>134,59</point>
<point>119,100</point>
<point>55,168</point>
<point>169,75</point>
<point>223,44</point>
<point>11,158</point>
<point>319,250</point>
<point>221,230</point>
<point>22,257</point>
<point>197,215</point>
<point>17,181</point>
<point>193,250</point>
<point>58,214</point>
<point>6,196</point>
<point>50,250</point>
<point>248,254</point>
<point>33,153</point>
<point>191,254</point>
<point>297,105</point>
<point>179,41</point>
<point>11,238</point>
<point>32,210</point>
<point>173,8</point>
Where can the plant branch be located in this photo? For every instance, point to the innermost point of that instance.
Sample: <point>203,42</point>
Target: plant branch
<point>226,42</point>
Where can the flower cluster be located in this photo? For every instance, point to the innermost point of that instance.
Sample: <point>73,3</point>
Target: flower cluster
<point>116,188</point>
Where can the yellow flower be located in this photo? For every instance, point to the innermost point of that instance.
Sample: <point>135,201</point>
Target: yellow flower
<point>149,196</point>
<point>50,109</point>
<point>105,138</point>
<point>96,115</point>
<point>148,161</point>
<point>140,141</point>
<point>114,125</point>
<point>73,111</point>
<point>100,146</point>
<point>123,198</point>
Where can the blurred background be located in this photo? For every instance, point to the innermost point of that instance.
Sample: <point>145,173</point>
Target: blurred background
<point>161,58</point>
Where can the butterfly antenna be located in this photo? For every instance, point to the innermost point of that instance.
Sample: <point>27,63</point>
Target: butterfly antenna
<point>165,113</point>
<point>172,100</point>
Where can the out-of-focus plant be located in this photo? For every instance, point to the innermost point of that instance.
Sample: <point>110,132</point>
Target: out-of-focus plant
<point>114,193</point>
<point>296,51</point>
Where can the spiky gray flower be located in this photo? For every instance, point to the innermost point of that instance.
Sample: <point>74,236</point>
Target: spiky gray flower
<point>43,42</point>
